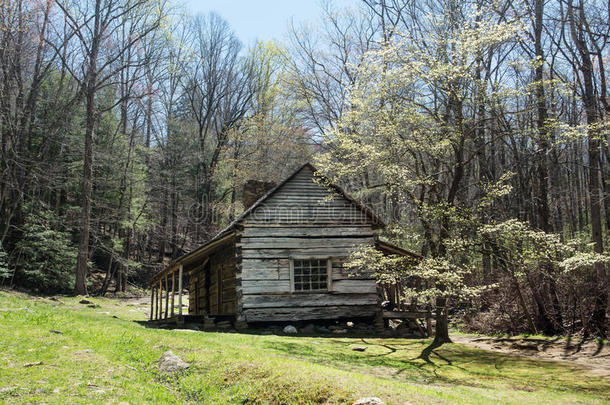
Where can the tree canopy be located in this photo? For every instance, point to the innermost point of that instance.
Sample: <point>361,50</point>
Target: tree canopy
<point>477,129</point>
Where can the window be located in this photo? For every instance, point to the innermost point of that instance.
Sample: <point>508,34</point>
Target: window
<point>310,274</point>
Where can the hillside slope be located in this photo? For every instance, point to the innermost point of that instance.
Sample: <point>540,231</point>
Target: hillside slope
<point>65,352</point>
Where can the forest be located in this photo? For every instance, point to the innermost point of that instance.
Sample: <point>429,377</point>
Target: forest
<point>478,130</point>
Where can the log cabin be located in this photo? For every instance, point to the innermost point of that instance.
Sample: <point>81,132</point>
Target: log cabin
<point>281,260</point>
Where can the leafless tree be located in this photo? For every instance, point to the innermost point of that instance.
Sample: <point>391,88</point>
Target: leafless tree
<point>219,89</point>
<point>97,60</point>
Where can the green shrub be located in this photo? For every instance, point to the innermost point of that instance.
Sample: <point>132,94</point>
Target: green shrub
<point>46,257</point>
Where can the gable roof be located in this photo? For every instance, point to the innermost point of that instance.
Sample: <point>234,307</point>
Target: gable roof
<point>230,229</point>
<point>377,222</point>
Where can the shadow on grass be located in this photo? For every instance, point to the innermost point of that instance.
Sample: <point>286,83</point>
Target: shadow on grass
<point>419,361</point>
<point>428,350</point>
<point>422,362</point>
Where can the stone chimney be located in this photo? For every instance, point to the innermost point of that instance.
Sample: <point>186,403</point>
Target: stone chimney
<point>253,190</point>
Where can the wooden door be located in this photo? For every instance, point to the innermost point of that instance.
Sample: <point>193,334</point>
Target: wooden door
<point>219,277</point>
<point>213,289</point>
<point>206,287</point>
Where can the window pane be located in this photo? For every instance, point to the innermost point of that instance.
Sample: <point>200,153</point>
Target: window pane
<point>310,275</point>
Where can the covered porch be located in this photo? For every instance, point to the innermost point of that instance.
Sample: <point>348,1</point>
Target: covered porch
<point>165,286</point>
<point>208,276</point>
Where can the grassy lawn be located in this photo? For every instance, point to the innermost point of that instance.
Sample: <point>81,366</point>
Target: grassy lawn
<point>101,359</point>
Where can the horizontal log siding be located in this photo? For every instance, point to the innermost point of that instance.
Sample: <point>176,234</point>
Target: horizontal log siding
<point>308,313</point>
<point>301,201</point>
<point>300,221</point>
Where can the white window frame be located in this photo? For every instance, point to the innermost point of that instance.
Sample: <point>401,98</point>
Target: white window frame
<point>329,268</point>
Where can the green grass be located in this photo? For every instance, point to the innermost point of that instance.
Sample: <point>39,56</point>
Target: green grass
<point>101,359</point>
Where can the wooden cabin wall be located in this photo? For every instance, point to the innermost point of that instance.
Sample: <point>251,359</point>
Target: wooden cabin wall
<point>298,220</point>
<point>222,296</point>
<point>197,291</point>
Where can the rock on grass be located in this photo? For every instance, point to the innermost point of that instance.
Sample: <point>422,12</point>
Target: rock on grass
<point>170,363</point>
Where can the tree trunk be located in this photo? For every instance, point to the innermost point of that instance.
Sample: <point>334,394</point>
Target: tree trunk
<point>598,317</point>
<point>542,206</point>
<point>85,221</point>
<point>441,332</point>
<point>90,88</point>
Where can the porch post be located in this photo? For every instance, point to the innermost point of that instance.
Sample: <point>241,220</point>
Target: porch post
<point>152,298</point>
<point>160,299</point>
<point>173,289</point>
<point>180,290</point>
<point>156,301</point>
<point>166,297</point>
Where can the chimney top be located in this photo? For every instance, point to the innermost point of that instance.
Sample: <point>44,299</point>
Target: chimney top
<point>253,190</point>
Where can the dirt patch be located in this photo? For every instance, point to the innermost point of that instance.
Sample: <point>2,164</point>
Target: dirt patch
<point>590,355</point>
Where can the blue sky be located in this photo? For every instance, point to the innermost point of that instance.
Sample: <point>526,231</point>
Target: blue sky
<point>262,19</point>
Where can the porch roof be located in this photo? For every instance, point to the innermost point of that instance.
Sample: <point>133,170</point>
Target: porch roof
<point>389,248</point>
<point>194,255</point>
